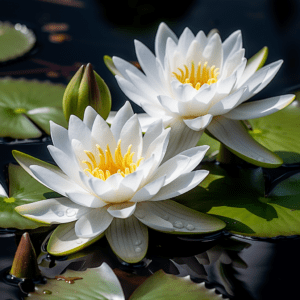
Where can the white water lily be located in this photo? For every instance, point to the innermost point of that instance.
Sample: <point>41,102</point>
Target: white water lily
<point>113,181</point>
<point>197,82</point>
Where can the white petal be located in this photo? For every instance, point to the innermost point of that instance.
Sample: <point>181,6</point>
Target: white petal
<point>259,108</point>
<point>185,40</point>
<point>213,52</point>
<point>181,138</point>
<point>235,136</point>
<point>232,44</point>
<point>128,238</point>
<point>180,185</point>
<point>169,103</point>
<point>195,154</point>
<point>145,121</point>
<point>130,184</point>
<point>122,116</point>
<point>89,117</point>
<point>232,63</point>
<point>153,131</point>
<point>111,116</point>
<point>162,35</point>
<point>172,168</point>
<point>86,199</point>
<point>228,103</point>
<point>3,191</point>
<point>122,210</point>
<point>60,138</point>
<point>79,131</point>
<point>53,211</point>
<point>131,134</point>
<point>93,224</point>
<point>55,181</point>
<point>102,135</point>
<point>64,241</point>
<point>149,190</point>
<point>199,123</point>
<point>172,216</point>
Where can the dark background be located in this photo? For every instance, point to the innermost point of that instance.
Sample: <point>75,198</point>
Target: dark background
<point>96,28</point>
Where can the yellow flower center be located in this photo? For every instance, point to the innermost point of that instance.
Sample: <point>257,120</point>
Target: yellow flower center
<point>107,165</point>
<point>198,76</point>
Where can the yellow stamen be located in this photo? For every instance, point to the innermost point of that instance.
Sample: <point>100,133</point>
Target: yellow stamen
<point>109,165</point>
<point>196,77</point>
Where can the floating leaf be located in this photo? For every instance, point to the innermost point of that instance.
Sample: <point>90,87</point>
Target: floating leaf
<point>279,132</point>
<point>26,106</point>
<point>23,189</point>
<point>93,284</point>
<point>15,40</point>
<point>239,200</point>
<point>170,287</point>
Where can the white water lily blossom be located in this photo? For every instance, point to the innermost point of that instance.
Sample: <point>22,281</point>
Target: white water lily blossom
<point>198,82</point>
<point>114,183</point>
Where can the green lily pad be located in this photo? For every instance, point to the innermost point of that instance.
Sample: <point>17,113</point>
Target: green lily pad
<point>15,40</point>
<point>169,287</point>
<point>93,284</point>
<point>26,106</point>
<point>23,189</point>
<point>214,146</point>
<point>241,203</point>
<point>279,132</point>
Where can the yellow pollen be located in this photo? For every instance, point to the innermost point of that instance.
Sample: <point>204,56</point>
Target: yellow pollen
<point>198,76</point>
<point>107,165</point>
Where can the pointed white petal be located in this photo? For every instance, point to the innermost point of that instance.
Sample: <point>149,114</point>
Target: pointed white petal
<point>181,138</point>
<point>128,238</point>
<point>131,134</point>
<point>180,185</point>
<point>169,103</point>
<point>2,191</point>
<point>122,210</point>
<point>213,52</point>
<point>259,108</point>
<point>177,218</point>
<point>199,123</point>
<point>226,85</point>
<point>162,35</point>
<point>232,44</point>
<point>235,136</point>
<point>86,199</point>
<point>93,223</point>
<point>254,64</point>
<point>185,40</point>
<point>89,117</point>
<point>64,241</point>
<point>53,211</point>
<point>232,63</point>
<point>149,190</point>
<point>55,181</point>
<point>122,116</point>
<point>145,121</point>
<point>130,184</point>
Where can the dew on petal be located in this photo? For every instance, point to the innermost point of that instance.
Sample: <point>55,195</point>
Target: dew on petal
<point>137,242</point>
<point>79,241</point>
<point>166,217</point>
<point>190,227</point>
<point>178,224</point>
<point>60,213</point>
<point>139,214</point>
<point>138,249</point>
<point>70,212</point>
<point>47,292</point>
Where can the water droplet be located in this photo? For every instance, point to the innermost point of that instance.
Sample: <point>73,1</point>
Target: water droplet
<point>79,241</point>
<point>178,224</point>
<point>139,214</point>
<point>138,249</point>
<point>60,213</point>
<point>234,223</point>
<point>70,212</point>
<point>190,227</point>
<point>137,242</point>
<point>47,292</point>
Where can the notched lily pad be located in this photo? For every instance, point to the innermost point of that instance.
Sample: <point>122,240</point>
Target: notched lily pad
<point>27,106</point>
<point>279,132</point>
<point>93,284</point>
<point>23,189</point>
<point>240,201</point>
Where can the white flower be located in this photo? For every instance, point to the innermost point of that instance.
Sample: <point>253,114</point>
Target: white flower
<point>197,82</point>
<point>112,180</point>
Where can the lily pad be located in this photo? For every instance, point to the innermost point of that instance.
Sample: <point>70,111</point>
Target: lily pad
<point>26,106</point>
<point>23,189</point>
<point>239,200</point>
<point>93,284</point>
<point>15,40</point>
<point>214,146</point>
<point>169,287</point>
<point>279,132</point>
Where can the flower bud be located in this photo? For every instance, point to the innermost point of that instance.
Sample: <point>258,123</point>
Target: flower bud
<point>86,88</point>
